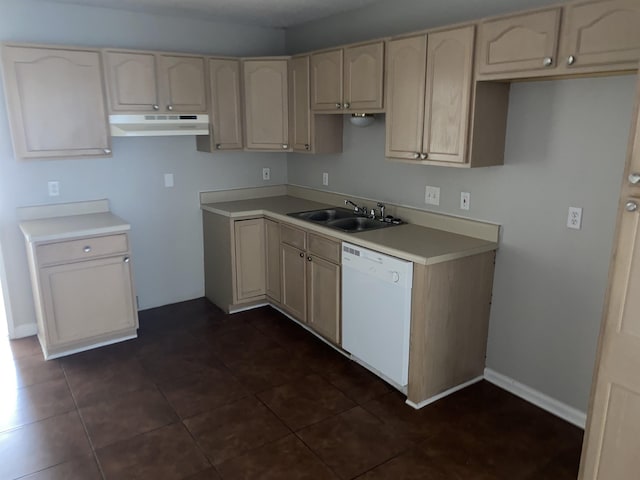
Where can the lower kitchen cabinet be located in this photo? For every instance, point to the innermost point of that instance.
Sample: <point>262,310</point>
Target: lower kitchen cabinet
<point>294,281</point>
<point>272,259</point>
<point>83,293</point>
<point>249,256</point>
<point>323,291</point>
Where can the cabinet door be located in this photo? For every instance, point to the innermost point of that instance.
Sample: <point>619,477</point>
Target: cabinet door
<point>364,77</point>
<point>449,81</point>
<point>249,258</point>
<point>294,281</point>
<point>131,79</point>
<point>300,117</point>
<point>55,99</point>
<point>87,299</point>
<point>272,233</point>
<point>520,42</point>
<point>406,68</point>
<point>324,298</point>
<point>266,104</point>
<point>226,107</point>
<point>326,81</point>
<point>602,32</point>
<point>181,80</point>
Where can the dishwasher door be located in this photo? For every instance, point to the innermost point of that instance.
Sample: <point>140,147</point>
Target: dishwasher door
<point>376,311</point>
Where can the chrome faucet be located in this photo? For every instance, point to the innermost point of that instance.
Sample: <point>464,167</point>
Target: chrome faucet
<point>356,209</point>
<point>382,207</point>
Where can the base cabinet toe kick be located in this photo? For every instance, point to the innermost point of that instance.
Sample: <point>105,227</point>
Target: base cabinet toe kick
<point>421,328</point>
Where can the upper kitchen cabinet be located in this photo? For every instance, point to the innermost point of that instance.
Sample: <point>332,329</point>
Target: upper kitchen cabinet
<point>436,114</point>
<point>151,82</point>
<point>55,99</point>
<point>601,35</point>
<point>226,107</point>
<point>309,133</point>
<point>348,80</point>
<point>519,43</point>
<point>266,104</point>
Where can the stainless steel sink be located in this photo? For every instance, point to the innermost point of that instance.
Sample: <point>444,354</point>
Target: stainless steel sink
<point>341,219</point>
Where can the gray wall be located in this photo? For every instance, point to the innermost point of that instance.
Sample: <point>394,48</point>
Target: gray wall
<point>166,222</point>
<point>566,145</point>
<point>391,17</point>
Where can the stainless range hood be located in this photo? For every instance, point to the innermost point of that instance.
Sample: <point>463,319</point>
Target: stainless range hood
<point>158,125</point>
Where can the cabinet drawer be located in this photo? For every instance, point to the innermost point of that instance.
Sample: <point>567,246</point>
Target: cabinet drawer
<point>82,249</point>
<point>293,236</point>
<point>325,248</point>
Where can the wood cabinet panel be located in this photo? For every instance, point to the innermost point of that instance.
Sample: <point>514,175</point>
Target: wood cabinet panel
<point>226,104</point>
<point>43,83</point>
<point>249,240</point>
<point>300,116</point>
<point>181,81</point>
<point>323,247</point>
<point>602,33</point>
<point>76,250</point>
<point>364,77</point>
<point>518,43</point>
<point>294,281</point>
<point>87,299</point>
<point>405,77</point>
<point>266,104</point>
<point>448,91</point>
<point>324,297</point>
<point>294,237</point>
<point>132,81</point>
<point>272,259</point>
<point>326,80</point>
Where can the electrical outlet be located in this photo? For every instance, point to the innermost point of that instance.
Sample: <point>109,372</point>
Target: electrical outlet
<point>168,180</point>
<point>432,195</point>
<point>266,173</point>
<point>574,220</point>
<point>54,189</point>
<point>465,200</point>
<point>325,179</point>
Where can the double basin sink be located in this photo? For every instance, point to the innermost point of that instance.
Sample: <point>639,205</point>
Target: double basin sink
<point>341,219</point>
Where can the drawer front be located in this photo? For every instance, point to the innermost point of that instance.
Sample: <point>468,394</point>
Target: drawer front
<point>293,236</point>
<point>74,250</point>
<point>325,248</point>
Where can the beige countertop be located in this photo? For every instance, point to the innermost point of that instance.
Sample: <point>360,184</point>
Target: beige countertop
<point>70,226</point>
<point>410,242</point>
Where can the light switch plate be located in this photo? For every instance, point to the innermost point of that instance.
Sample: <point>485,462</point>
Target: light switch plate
<point>168,179</point>
<point>432,195</point>
<point>465,200</point>
<point>574,220</point>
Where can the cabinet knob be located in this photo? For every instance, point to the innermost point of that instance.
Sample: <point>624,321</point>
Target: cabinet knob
<point>285,146</point>
<point>423,156</point>
<point>308,259</point>
<point>218,146</point>
<point>301,255</point>
<point>87,249</point>
<point>548,61</point>
<point>346,105</point>
<point>126,259</point>
<point>107,151</point>
<point>338,106</point>
<point>571,60</point>
<point>307,146</point>
<point>156,107</point>
<point>416,156</point>
<point>631,206</point>
<point>170,108</point>
<point>634,178</point>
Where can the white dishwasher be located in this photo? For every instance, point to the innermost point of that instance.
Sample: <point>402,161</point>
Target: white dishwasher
<point>376,311</point>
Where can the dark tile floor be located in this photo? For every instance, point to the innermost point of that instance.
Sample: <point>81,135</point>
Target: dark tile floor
<point>203,395</point>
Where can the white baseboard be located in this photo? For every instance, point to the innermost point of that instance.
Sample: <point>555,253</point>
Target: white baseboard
<point>28,330</point>
<point>437,397</point>
<point>539,399</point>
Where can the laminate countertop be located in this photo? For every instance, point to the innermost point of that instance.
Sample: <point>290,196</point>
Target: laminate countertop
<point>416,243</point>
<point>71,226</point>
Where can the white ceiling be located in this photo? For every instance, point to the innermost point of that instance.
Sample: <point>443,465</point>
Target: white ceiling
<point>267,13</point>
